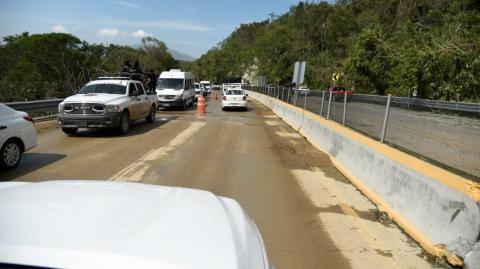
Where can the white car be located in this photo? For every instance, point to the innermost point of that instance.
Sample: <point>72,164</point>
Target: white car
<point>199,90</point>
<point>17,135</point>
<point>304,90</point>
<point>234,98</point>
<point>104,224</point>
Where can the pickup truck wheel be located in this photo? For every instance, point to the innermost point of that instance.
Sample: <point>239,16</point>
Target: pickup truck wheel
<point>184,105</point>
<point>10,154</point>
<point>70,130</point>
<point>125,122</point>
<point>151,116</point>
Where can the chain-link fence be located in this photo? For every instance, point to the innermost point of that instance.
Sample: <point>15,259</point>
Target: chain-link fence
<point>444,133</point>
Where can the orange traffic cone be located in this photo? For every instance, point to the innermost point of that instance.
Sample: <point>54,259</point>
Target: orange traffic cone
<point>201,105</point>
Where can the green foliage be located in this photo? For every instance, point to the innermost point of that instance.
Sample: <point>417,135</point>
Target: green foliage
<point>392,46</point>
<point>34,67</point>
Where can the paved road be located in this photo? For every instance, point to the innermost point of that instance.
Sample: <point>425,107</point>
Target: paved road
<point>448,139</point>
<point>308,213</point>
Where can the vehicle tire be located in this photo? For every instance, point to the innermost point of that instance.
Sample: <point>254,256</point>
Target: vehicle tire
<point>69,130</point>
<point>124,123</point>
<point>10,154</point>
<point>184,105</point>
<point>151,115</point>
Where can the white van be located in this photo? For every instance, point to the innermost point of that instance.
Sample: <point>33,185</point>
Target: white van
<point>207,85</point>
<point>175,88</point>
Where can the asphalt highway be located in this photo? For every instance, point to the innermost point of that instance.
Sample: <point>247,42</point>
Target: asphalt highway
<point>308,213</point>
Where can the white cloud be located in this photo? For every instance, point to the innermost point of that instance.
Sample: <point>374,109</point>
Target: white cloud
<point>106,32</point>
<point>141,34</point>
<point>59,29</point>
<point>126,4</point>
<point>178,25</point>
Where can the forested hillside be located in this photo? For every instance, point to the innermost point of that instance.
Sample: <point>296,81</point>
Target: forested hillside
<point>431,47</point>
<point>41,66</point>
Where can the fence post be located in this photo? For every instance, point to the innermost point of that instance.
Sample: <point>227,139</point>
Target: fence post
<point>305,102</point>
<point>282,92</point>
<point>385,119</point>
<point>295,96</point>
<point>329,105</point>
<point>321,107</point>
<point>288,94</point>
<point>344,107</point>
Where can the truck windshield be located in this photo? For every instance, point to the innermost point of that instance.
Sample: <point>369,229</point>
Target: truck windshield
<point>103,88</point>
<point>170,83</point>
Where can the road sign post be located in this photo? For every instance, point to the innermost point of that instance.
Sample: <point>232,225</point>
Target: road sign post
<point>298,77</point>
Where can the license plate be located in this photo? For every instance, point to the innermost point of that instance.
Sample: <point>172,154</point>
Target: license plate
<point>81,124</point>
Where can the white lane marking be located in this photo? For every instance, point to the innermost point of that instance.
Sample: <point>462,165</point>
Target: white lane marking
<point>272,123</point>
<point>136,170</point>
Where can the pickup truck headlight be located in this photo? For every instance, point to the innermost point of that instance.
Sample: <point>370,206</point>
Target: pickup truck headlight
<point>113,108</point>
<point>178,97</point>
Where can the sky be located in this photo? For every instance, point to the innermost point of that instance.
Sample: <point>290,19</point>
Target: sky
<point>189,26</point>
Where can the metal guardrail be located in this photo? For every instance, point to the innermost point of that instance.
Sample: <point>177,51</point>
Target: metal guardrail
<point>433,104</point>
<point>38,109</point>
<point>444,133</point>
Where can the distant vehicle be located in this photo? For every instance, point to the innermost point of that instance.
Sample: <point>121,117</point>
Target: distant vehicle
<point>226,86</point>
<point>17,135</point>
<point>304,90</point>
<point>199,90</point>
<point>175,88</point>
<point>105,224</point>
<point>338,93</point>
<point>207,85</point>
<point>216,87</point>
<point>108,102</point>
<point>234,98</point>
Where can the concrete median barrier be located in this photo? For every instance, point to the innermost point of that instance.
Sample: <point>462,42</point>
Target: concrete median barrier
<point>437,208</point>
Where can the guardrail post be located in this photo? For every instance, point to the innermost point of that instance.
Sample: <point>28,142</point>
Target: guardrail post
<point>288,94</point>
<point>329,105</point>
<point>385,119</point>
<point>344,108</point>
<point>282,92</point>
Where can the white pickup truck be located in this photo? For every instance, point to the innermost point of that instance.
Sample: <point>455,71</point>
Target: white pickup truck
<point>108,102</point>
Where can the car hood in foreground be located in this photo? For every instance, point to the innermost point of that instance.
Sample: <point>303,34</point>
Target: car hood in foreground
<point>93,224</point>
